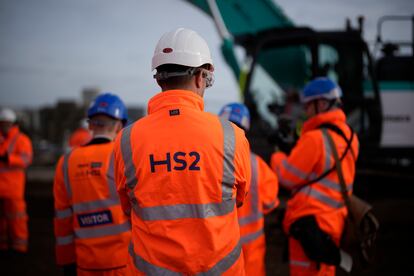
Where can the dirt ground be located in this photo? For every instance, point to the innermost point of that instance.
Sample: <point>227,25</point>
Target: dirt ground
<point>391,197</point>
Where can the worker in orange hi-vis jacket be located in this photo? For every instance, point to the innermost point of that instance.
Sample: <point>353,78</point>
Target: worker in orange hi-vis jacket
<point>262,198</point>
<point>92,232</point>
<point>15,156</point>
<point>81,136</point>
<point>180,171</point>
<point>315,214</point>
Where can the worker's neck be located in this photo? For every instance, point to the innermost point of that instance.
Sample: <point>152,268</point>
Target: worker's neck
<point>191,88</point>
<point>107,135</point>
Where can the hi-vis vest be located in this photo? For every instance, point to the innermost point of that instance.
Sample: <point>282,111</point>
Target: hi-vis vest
<point>310,158</point>
<point>180,171</point>
<point>18,147</point>
<point>262,199</point>
<point>90,226</point>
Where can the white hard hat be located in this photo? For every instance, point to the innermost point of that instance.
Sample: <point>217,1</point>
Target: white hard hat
<point>7,115</point>
<point>182,47</point>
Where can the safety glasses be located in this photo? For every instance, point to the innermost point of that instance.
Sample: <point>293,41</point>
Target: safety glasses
<point>209,76</point>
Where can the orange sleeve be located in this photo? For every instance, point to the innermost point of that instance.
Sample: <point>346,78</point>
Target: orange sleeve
<point>295,169</point>
<point>120,178</point>
<point>22,154</point>
<point>268,186</point>
<point>242,165</point>
<point>63,221</point>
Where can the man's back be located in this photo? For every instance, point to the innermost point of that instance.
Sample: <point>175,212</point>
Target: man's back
<point>187,169</point>
<point>84,185</point>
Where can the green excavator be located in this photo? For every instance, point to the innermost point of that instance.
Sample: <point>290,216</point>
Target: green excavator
<point>279,58</point>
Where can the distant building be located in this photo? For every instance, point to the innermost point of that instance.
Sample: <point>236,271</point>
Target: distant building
<point>88,95</point>
<point>50,126</point>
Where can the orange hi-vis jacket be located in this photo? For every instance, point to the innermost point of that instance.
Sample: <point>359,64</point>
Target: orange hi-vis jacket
<point>12,176</point>
<point>90,227</point>
<point>80,137</point>
<point>262,199</point>
<point>311,157</point>
<point>179,172</point>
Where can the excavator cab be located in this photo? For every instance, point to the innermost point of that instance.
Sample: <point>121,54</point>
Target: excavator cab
<point>283,60</point>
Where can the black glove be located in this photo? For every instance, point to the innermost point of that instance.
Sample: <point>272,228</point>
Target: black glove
<point>4,158</point>
<point>69,270</point>
<point>318,245</point>
<point>284,137</point>
<point>281,142</point>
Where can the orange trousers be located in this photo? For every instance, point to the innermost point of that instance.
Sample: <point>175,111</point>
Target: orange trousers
<point>254,256</point>
<point>301,265</point>
<point>13,225</point>
<point>122,271</point>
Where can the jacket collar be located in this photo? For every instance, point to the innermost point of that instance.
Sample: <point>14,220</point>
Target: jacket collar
<point>175,98</point>
<point>333,117</point>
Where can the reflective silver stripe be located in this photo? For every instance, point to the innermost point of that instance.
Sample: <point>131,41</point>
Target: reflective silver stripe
<point>10,148</point>
<point>293,170</point>
<point>19,242</point>
<point>148,268</point>
<point>252,236</point>
<point>110,179</point>
<point>66,175</point>
<point>254,215</point>
<point>308,190</point>
<point>126,150</point>
<point>284,182</point>
<point>93,205</point>
<point>130,170</point>
<point>16,215</point>
<point>333,185</point>
<point>179,211</point>
<point>65,213</point>
<point>218,269</point>
<point>225,263</point>
<point>300,263</point>
<point>25,157</point>
<point>10,169</point>
<point>327,150</point>
<point>228,162</point>
<point>102,231</point>
<point>64,240</point>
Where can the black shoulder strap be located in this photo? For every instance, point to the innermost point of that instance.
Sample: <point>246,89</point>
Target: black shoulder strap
<point>337,130</point>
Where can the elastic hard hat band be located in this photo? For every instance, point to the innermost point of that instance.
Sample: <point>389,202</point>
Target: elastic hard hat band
<point>209,76</point>
<point>165,75</point>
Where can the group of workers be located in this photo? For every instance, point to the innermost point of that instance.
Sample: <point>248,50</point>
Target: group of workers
<point>179,192</point>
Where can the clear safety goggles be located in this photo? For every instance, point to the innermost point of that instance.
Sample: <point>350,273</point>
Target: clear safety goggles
<point>209,76</point>
<point>206,74</point>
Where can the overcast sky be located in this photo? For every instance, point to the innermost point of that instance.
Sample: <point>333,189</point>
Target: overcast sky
<point>52,49</point>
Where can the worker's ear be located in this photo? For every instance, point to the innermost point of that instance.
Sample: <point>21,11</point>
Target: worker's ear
<point>199,80</point>
<point>118,126</point>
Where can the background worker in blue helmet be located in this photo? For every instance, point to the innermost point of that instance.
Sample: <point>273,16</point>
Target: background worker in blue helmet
<point>262,198</point>
<point>315,213</point>
<point>92,232</point>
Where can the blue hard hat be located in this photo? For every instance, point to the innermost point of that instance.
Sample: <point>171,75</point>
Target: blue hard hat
<point>237,113</point>
<point>321,88</point>
<point>110,105</point>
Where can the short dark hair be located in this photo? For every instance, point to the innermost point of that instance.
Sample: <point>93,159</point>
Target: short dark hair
<point>174,81</point>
